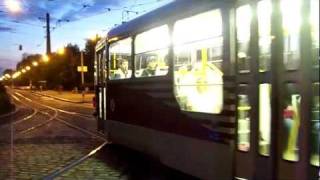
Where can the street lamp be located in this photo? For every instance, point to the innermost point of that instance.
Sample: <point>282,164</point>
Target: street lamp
<point>13,5</point>
<point>61,51</point>
<point>35,63</point>
<point>8,76</point>
<point>28,68</point>
<point>45,58</point>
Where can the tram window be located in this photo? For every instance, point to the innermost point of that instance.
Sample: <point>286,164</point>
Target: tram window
<point>120,59</point>
<point>291,123</point>
<point>315,126</point>
<point>100,70</point>
<point>264,118</point>
<point>243,21</point>
<point>291,19</point>
<point>243,110</point>
<point>314,19</point>
<point>198,44</point>
<point>264,20</point>
<point>151,52</point>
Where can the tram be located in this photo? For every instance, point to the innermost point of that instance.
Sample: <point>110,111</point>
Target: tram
<point>216,89</point>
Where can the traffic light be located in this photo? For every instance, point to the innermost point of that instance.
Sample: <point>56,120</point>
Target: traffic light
<point>20,47</point>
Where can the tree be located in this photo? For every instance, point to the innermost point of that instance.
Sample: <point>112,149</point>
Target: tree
<point>8,71</point>
<point>89,55</point>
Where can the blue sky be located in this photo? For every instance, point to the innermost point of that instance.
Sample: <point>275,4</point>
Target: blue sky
<point>86,18</point>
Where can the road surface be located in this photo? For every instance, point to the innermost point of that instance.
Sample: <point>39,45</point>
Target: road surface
<point>51,139</point>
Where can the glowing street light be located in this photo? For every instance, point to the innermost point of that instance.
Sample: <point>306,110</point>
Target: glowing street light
<point>45,58</point>
<point>35,63</point>
<point>61,51</point>
<point>23,71</point>
<point>28,68</point>
<point>8,76</point>
<point>13,5</point>
<point>16,74</point>
<point>94,37</point>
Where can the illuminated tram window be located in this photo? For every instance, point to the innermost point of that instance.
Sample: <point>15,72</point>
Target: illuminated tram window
<point>264,20</point>
<point>314,20</point>
<point>315,126</point>
<point>198,49</point>
<point>151,52</point>
<point>243,15</point>
<point>120,59</point>
<point>264,119</point>
<point>243,110</point>
<point>291,30</point>
<point>315,121</point>
<point>291,123</point>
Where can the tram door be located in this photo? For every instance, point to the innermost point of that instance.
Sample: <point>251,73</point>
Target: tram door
<point>278,129</point>
<point>253,68</point>
<point>101,87</point>
<point>298,124</point>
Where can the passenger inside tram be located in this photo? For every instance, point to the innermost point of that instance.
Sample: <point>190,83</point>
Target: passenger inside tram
<point>151,67</point>
<point>123,71</point>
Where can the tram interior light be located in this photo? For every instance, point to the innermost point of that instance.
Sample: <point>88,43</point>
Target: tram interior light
<point>197,27</point>
<point>291,17</point>
<point>159,35</point>
<point>314,21</point>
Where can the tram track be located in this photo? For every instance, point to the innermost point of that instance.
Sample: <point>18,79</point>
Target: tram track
<point>57,115</point>
<point>61,117</point>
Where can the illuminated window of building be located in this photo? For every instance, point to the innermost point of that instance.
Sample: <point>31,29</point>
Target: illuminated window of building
<point>264,118</point>
<point>198,48</point>
<point>243,110</point>
<point>291,22</point>
<point>315,126</point>
<point>291,123</point>
<point>120,59</point>
<point>151,52</point>
<point>243,24</point>
<point>264,20</point>
<point>314,19</point>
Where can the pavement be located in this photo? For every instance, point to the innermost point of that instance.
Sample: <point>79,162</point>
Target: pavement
<point>47,135</point>
<point>67,96</point>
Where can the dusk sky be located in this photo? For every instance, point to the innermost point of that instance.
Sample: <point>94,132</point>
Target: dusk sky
<point>86,18</point>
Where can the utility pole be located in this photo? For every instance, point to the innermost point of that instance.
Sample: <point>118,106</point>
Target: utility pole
<point>82,72</point>
<point>48,34</point>
<point>82,75</point>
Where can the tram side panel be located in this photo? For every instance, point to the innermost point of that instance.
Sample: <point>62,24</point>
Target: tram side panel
<point>145,116</point>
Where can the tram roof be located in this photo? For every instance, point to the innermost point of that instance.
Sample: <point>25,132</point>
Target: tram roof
<point>168,13</point>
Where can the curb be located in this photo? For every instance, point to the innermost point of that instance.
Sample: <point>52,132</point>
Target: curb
<point>16,109</point>
<point>61,99</point>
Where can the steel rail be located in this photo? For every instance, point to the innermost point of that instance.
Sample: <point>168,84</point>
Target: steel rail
<point>74,163</point>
